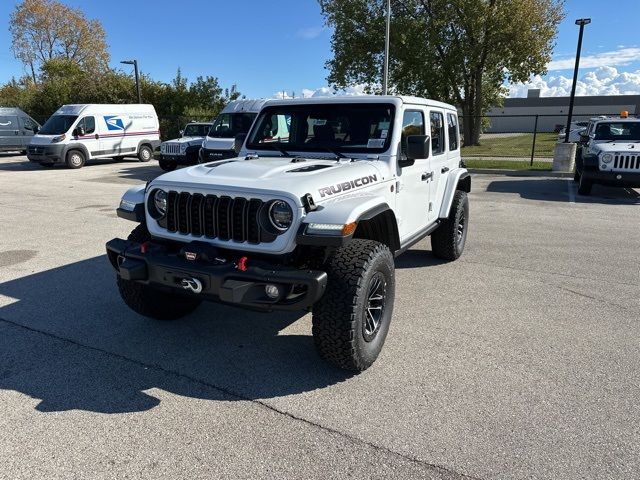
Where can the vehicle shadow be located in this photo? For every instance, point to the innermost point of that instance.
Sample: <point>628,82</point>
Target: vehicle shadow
<point>417,259</point>
<point>67,340</point>
<point>25,165</point>
<point>563,190</point>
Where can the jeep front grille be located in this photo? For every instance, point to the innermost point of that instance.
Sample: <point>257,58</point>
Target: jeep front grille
<point>212,216</point>
<point>626,162</point>
<point>172,148</point>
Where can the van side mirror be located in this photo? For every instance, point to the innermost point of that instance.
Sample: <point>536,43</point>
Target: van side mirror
<point>238,141</point>
<point>418,147</point>
<point>78,132</point>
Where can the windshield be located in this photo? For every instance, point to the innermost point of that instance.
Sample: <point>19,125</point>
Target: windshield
<point>618,131</point>
<point>228,125</point>
<point>355,128</point>
<point>58,124</point>
<point>196,130</point>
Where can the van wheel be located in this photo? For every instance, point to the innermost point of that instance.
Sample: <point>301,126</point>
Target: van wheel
<point>75,159</point>
<point>145,154</point>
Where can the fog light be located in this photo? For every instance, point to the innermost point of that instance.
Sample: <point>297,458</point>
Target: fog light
<point>619,177</point>
<point>272,291</point>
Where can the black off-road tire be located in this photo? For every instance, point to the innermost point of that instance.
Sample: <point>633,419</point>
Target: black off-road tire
<point>148,301</point>
<point>145,153</point>
<point>344,332</point>
<point>584,186</point>
<point>578,165</point>
<point>167,165</point>
<point>448,241</point>
<point>75,159</point>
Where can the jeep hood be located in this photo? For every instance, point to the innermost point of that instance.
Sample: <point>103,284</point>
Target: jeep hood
<point>323,179</point>
<point>619,147</point>
<point>187,140</point>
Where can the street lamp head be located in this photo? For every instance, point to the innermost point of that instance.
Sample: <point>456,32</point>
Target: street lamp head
<point>128,62</point>
<point>583,21</point>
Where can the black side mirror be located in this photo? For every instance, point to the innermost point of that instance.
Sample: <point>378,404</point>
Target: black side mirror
<point>238,142</point>
<point>584,138</point>
<point>181,133</point>
<point>418,147</point>
<point>36,129</point>
<point>78,132</point>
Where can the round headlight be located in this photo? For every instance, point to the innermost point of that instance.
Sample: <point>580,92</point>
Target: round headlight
<point>607,157</point>
<point>163,147</point>
<point>160,202</point>
<point>183,147</point>
<point>280,215</point>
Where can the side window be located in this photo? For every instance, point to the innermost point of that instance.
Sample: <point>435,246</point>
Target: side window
<point>412,124</point>
<point>28,123</point>
<point>88,124</point>
<point>452,123</point>
<point>437,133</point>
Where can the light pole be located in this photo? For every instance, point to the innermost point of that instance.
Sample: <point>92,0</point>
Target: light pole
<point>582,22</point>
<point>385,73</point>
<point>135,67</point>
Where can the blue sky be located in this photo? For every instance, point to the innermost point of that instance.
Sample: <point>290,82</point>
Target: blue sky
<point>267,47</point>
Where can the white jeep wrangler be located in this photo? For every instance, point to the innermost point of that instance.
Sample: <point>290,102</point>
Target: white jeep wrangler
<point>310,218</point>
<point>609,153</point>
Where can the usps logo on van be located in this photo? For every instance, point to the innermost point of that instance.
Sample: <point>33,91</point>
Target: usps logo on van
<point>113,122</point>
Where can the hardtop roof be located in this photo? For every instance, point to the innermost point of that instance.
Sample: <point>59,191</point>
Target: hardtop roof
<point>395,99</point>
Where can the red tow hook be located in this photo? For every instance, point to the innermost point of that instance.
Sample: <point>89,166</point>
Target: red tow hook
<point>144,247</point>
<point>242,264</point>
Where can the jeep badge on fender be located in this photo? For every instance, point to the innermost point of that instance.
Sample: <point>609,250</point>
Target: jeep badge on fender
<point>321,197</point>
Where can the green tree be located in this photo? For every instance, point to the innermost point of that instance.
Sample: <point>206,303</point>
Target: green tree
<point>458,51</point>
<point>44,30</point>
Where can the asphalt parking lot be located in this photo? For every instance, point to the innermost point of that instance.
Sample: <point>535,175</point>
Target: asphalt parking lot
<point>520,360</point>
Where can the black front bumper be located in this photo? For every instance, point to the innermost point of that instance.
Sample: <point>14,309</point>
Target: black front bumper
<point>46,153</point>
<point>627,179</point>
<point>221,280</point>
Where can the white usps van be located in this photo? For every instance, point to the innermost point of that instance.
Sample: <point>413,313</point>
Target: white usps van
<point>77,133</point>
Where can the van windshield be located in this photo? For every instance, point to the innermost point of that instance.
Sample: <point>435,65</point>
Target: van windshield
<point>58,124</point>
<point>338,127</point>
<point>228,125</point>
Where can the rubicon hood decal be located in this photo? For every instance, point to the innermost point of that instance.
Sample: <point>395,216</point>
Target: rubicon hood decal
<point>350,185</point>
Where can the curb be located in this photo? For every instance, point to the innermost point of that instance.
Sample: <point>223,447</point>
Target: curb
<point>521,173</point>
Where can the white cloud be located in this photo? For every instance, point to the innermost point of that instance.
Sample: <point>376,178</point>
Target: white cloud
<point>322,92</point>
<point>602,81</point>
<point>311,32</point>
<point>620,57</point>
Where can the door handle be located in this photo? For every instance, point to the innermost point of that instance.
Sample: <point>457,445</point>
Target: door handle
<point>17,132</point>
<point>444,169</point>
<point>97,136</point>
<point>426,176</point>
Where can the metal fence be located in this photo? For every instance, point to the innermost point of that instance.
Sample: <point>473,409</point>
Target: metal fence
<point>520,138</point>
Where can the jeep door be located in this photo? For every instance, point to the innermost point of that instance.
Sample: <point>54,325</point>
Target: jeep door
<point>10,138</point>
<point>412,193</point>
<point>439,159</point>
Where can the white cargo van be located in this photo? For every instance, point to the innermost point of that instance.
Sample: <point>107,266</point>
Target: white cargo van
<point>77,133</point>
<point>236,118</point>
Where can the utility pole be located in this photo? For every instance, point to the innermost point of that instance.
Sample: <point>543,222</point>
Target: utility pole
<point>135,68</point>
<point>385,73</point>
<point>582,22</point>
